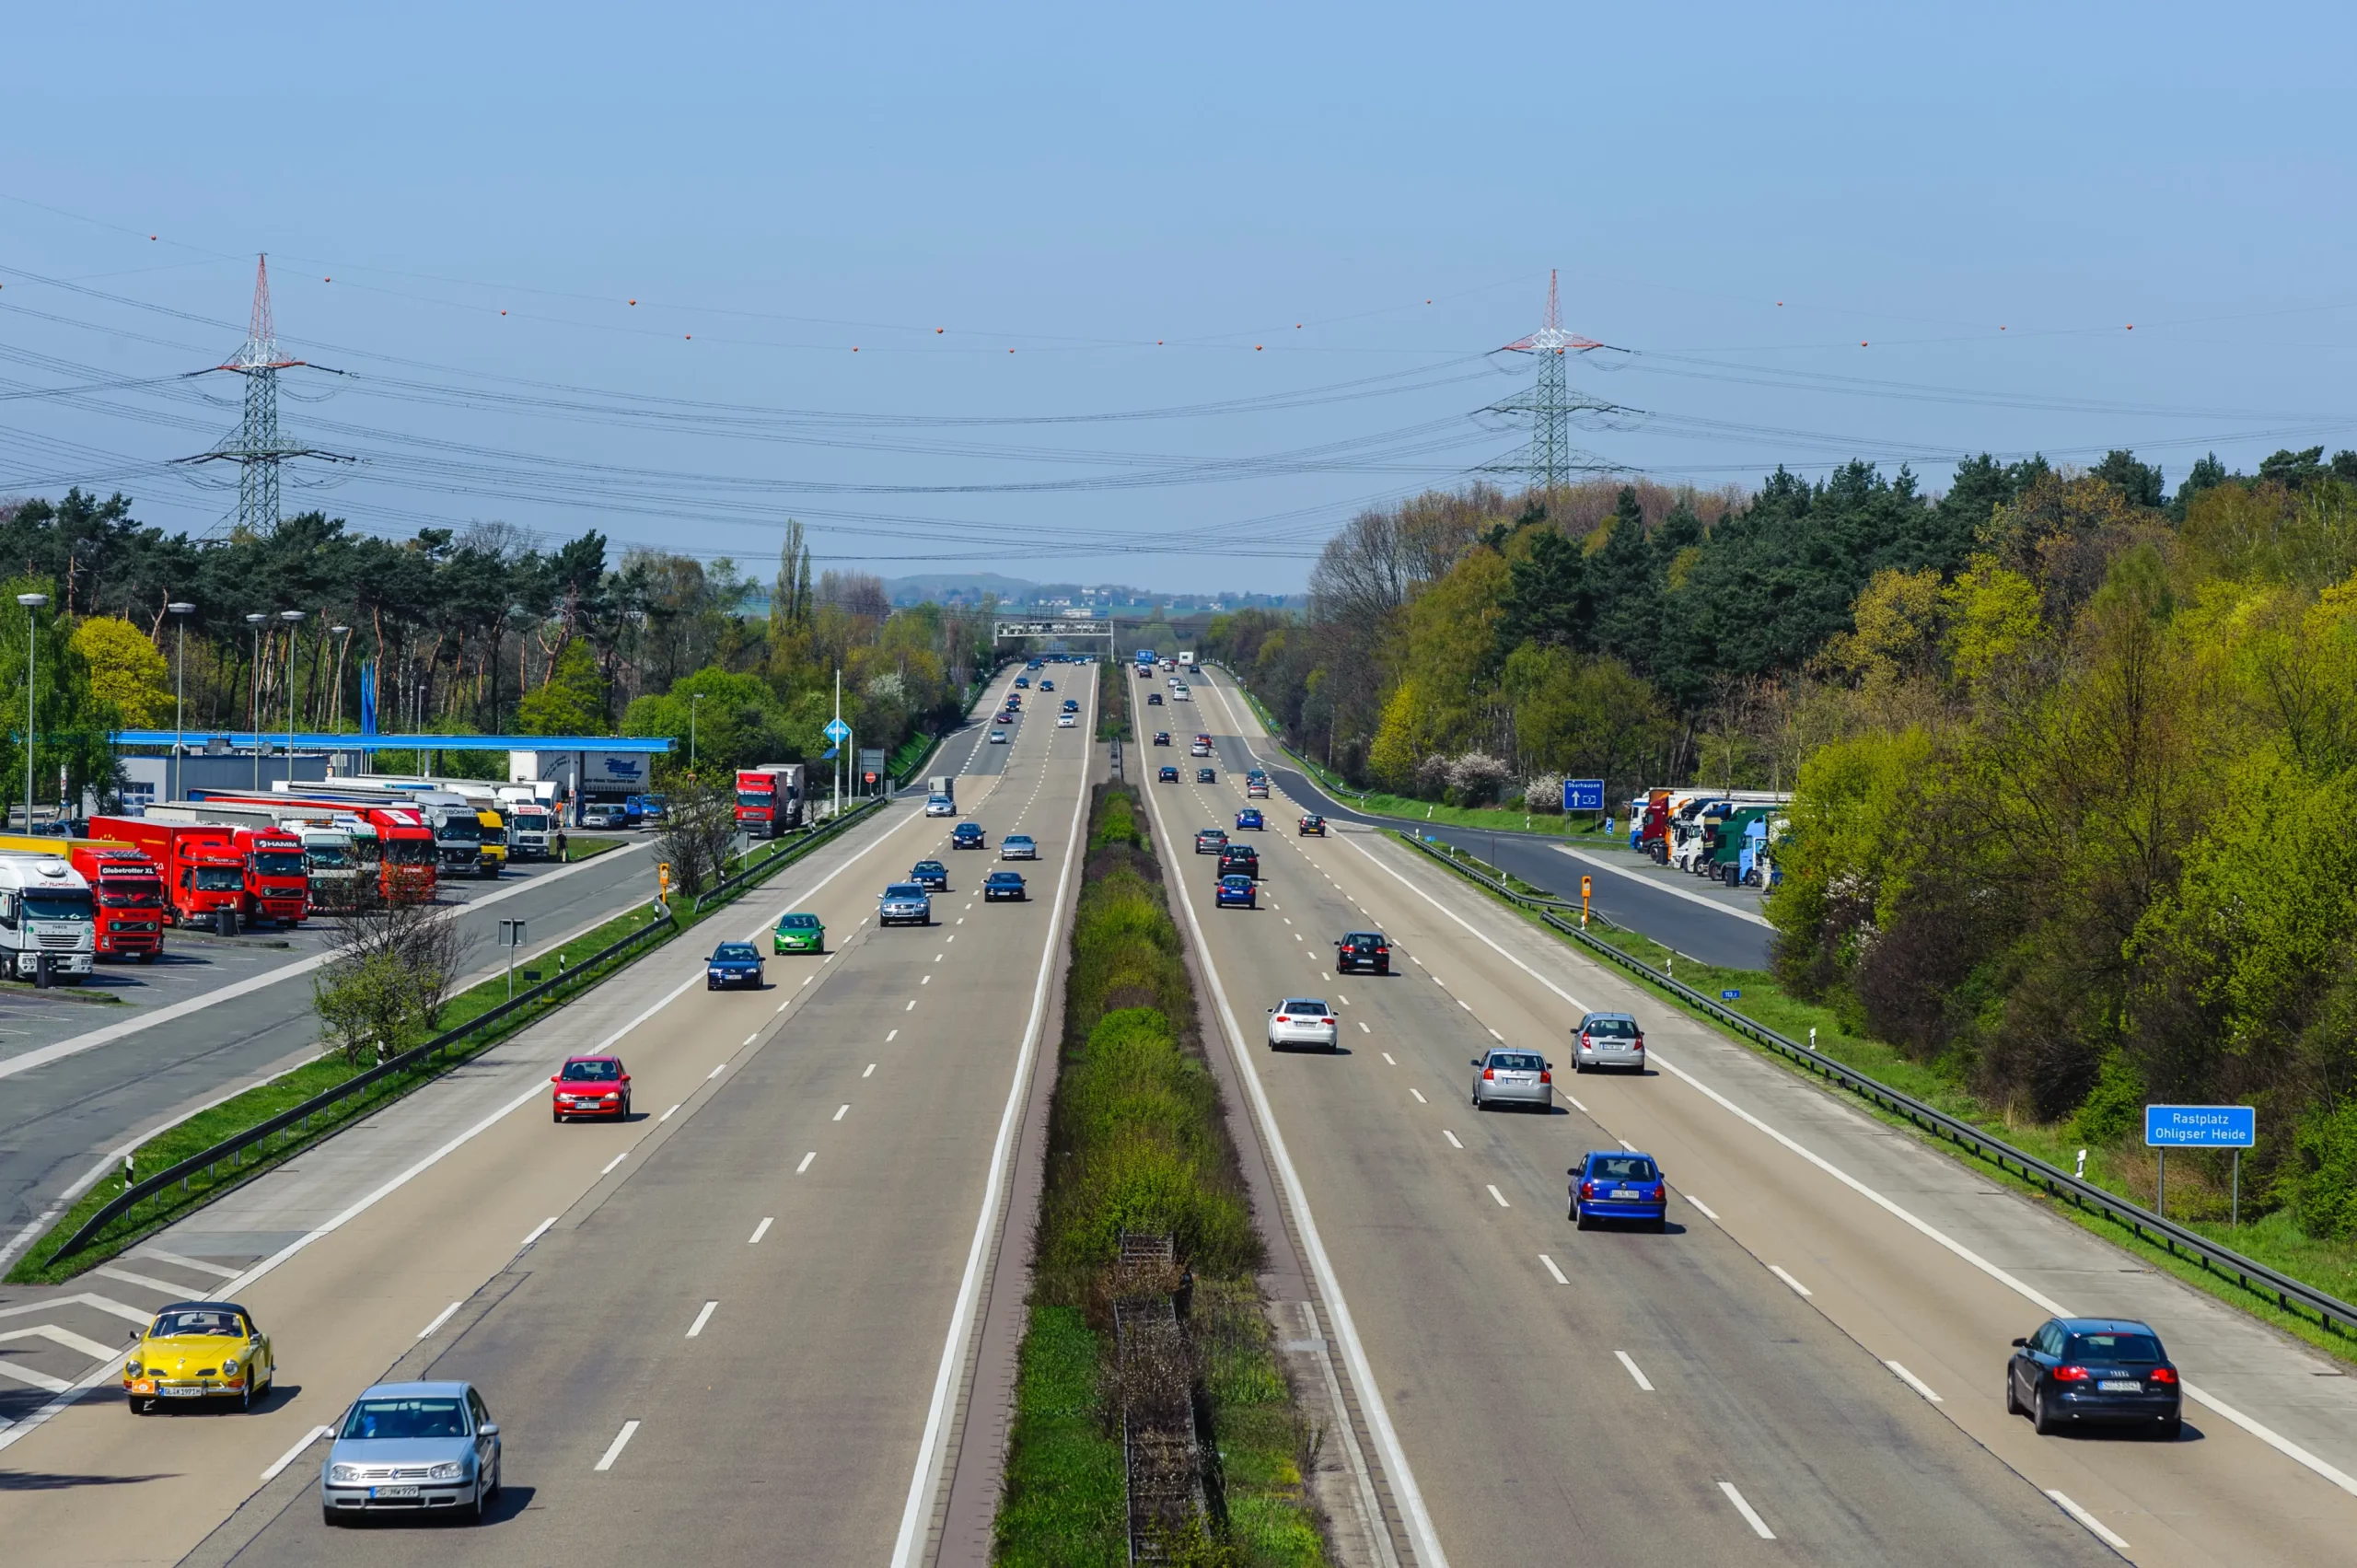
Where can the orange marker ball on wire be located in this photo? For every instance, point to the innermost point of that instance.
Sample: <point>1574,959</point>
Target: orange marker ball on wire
<point>1862,342</point>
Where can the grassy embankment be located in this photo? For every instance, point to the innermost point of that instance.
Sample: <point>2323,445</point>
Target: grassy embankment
<point>258,1104</point>
<point>2198,1195</point>
<point>1138,1142</point>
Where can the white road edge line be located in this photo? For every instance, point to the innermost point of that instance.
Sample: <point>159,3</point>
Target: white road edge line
<point>760,1230</point>
<point>439,1318</point>
<point>2095,1527</point>
<point>1627,874</point>
<point>1553,1270</point>
<point>296,1453</point>
<point>1914,1382</point>
<point>1798,1288</point>
<point>614,1449</point>
<point>1751,1514</point>
<point>1378,1414</point>
<point>703,1317</point>
<point>918,1511</point>
<point>1631,1365</point>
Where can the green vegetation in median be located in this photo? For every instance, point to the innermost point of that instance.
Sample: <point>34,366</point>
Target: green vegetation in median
<point>2198,1180</point>
<point>257,1104</point>
<point>1138,1143</point>
<point>577,847</point>
<point>1113,702</point>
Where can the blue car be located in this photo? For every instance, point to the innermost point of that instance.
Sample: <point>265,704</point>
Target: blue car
<point>966,835</point>
<point>1611,1184</point>
<point>418,1449</point>
<point>1023,683</point>
<point>1236,891</point>
<point>1003,885</point>
<point>929,874</point>
<point>733,963</point>
<point>1249,817</point>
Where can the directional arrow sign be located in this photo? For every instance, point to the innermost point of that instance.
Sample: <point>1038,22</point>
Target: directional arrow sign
<point>837,731</point>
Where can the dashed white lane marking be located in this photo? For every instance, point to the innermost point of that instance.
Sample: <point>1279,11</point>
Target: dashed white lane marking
<point>1798,1288</point>
<point>805,1162</point>
<point>1420,1097</point>
<point>614,1449</point>
<point>1343,999</point>
<point>439,1318</point>
<point>1626,1144</point>
<point>924,979</point>
<point>789,1001</point>
<point>715,1073</point>
<point>1496,1036</point>
<point>1466,1005</point>
<point>296,1453</point>
<point>1914,1382</point>
<point>1492,1187</point>
<point>703,1317</point>
<point>1751,1514</point>
<point>538,1231</point>
<point>613,1162</point>
<point>1584,1111</point>
<point>2095,1526</point>
<point>1553,1270</point>
<point>842,1111</point>
<point>751,1038</point>
<point>760,1230</point>
<point>871,1071</point>
<point>1387,1057</point>
<point>1704,1209</point>
<point>939,956</point>
<point>1364,1029</point>
<point>1454,1144</point>
<point>890,1038</point>
<point>912,1006</point>
<point>1631,1365</point>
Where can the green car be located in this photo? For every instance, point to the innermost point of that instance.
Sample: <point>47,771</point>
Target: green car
<point>800,933</point>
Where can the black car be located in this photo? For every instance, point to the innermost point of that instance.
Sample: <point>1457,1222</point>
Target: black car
<point>1003,885</point>
<point>1363,950</point>
<point>1240,857</point>
<point>1168,775</point>
<point>2094,1369</point>
<point>1210,841</point>
<point>1206,775</point>
<point>966,835</point>
<point>1162,738</point>
<point>1154,699</point>
<point>931,875</point>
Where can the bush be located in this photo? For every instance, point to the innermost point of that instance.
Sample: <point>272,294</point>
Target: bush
<point>1476,778</point>
<point>2323,1179</point>
<point>1544,794</point>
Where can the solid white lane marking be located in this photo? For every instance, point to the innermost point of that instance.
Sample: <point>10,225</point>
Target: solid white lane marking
<point>889,1037</point>
<point>805,1162</point>
<point>1751,1514</point>
<point>2095,1526</point>
<point>1703,1207</point>
<point>1553,1270</point>
<point>1631,1365</point>
<point>296,1453</point>
<point>871,1071</point>
<point>613,1162</point>
<point>842,1111</point>
<point>439,1318</point>
<point>1420,1097</point>
<point>667,1115</point>
<point>1492,1187</point>
<point>1798,1288</point>
<point>760,1230</point>
<point>1387,1056</point>
<point>614,1449</point>
<point>174,1259</point>
<point>703,1317</point>
<point>1914,1382</point>
<point>1365,1030</point>
<point>538,1231</point>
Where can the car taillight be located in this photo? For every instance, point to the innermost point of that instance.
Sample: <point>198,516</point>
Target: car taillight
<point>1488,1072</point>
<point>2069,1375</point>
<point>1380,951</point>
<point>1282,1020</point>
<point>1585,1042</point>
<point>2164,1375</point>
<point>1587,1188</point>
<point>1546,1077</point>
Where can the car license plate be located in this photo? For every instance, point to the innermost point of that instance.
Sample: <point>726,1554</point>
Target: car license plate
<point>2120,1385</point>
<point>181,1393</point>
<point>1625,1194</point>
<point>392,1491</point>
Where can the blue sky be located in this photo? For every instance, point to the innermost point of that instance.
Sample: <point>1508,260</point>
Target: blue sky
<point>1143,207</point>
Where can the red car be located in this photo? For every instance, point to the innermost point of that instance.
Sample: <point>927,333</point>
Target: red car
<point>591,1086</point>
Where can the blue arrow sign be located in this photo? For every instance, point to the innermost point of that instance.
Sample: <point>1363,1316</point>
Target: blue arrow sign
<point>1582,794</point>
<point>2200,1126</point>
<point>837,731</point>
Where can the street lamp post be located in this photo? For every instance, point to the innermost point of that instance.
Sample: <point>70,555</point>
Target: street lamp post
<point>179,612</point>
<point>293,617</point>
<point>692,700</point>
<point>31,603</point>
<point>256,620</point>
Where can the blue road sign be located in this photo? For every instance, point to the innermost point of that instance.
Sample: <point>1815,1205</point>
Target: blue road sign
<point>2200,1126</point>
<point>1582,794</point>
<point>1729,995</point>
<point>837,731</point>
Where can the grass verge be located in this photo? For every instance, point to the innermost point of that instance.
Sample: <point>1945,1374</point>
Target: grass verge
<point>2124,1170</point>
<point>185,1139</point>
<point>1138,1142</point>
<point>588,849</point>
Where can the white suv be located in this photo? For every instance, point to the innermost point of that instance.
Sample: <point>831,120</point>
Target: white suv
<point>1301,1021</point>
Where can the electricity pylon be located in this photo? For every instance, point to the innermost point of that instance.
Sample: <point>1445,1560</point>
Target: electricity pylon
<point>256,447</point>
<point>1549,460</point>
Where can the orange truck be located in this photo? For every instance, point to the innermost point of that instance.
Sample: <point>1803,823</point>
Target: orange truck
<point>129,889</point>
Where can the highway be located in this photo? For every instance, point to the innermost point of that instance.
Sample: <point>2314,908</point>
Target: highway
<point>1767,1369</point>
<point>212,1017</point>
<point>758,1277</point>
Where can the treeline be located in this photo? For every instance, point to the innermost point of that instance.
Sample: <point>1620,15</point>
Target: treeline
<point>2071,751</point>
<point>467,632</point>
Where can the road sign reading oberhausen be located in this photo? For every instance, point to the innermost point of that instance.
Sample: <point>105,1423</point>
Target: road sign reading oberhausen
<point>1582,794</point>
<point>837,731</point>
<point>2200,1127</point>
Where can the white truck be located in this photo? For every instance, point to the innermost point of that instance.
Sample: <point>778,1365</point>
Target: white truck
<point>49,922</point>
<point>941,795</point>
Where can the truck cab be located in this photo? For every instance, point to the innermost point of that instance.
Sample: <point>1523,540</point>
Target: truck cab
<point>47,918</point>
<point>277,880</point>
<point>529,830</point>
<point>495,841</point>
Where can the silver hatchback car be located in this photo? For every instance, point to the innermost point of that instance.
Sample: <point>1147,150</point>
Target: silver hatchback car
<point>421,1448</point>
<point>1505,1077</point>
<point>1609,1039</point>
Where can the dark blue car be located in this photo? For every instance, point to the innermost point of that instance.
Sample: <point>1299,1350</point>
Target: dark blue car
<point>733,963</point>
<point>2094,1370</point>
<point>1003,885</point>
<point>1608,1184</point>
<point>966,835</point>
<point>929,874</point>
<point>1249,817</point>
<point>1237,890</point>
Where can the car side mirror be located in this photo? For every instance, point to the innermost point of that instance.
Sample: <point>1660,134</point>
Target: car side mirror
<point>625,1077</point>
<point>1475,1061</point>
<point>490,1429</point>
<point>2021,1344</point>
<point>135,1335</point>
<point>554,1078</point>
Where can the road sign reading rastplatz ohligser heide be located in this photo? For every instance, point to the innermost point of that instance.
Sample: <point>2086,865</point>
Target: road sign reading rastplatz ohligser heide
<point>2200,1126</point>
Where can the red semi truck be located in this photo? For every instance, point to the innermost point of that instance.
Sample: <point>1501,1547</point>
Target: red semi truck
<point>404,846</point>
<point>128,890</point>
<point>278,885</point>
<point>768,798</point>
<point>205,876</point>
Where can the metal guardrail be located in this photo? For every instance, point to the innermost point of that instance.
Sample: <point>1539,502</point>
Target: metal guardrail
<point>2292,1295</point>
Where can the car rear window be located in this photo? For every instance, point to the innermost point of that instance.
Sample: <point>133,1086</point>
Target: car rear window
<point>1516,1061</point>
<point>1235,881</point>
<point>1624,1029</point>
<point>1367,939</point>
<point>2114,1347</point>
<point>592,1072</point>
<point>1621,1167</point>
<point>1311,1009</point>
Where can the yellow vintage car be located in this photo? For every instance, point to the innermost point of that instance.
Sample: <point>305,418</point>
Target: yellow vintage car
<point>197,1350</point>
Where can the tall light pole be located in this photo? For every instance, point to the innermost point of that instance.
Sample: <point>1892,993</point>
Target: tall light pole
<point>31,603</point>
<point>293,617</point>
<point>692,700</point>
<point>180,613</point>
<point>256,620</point>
